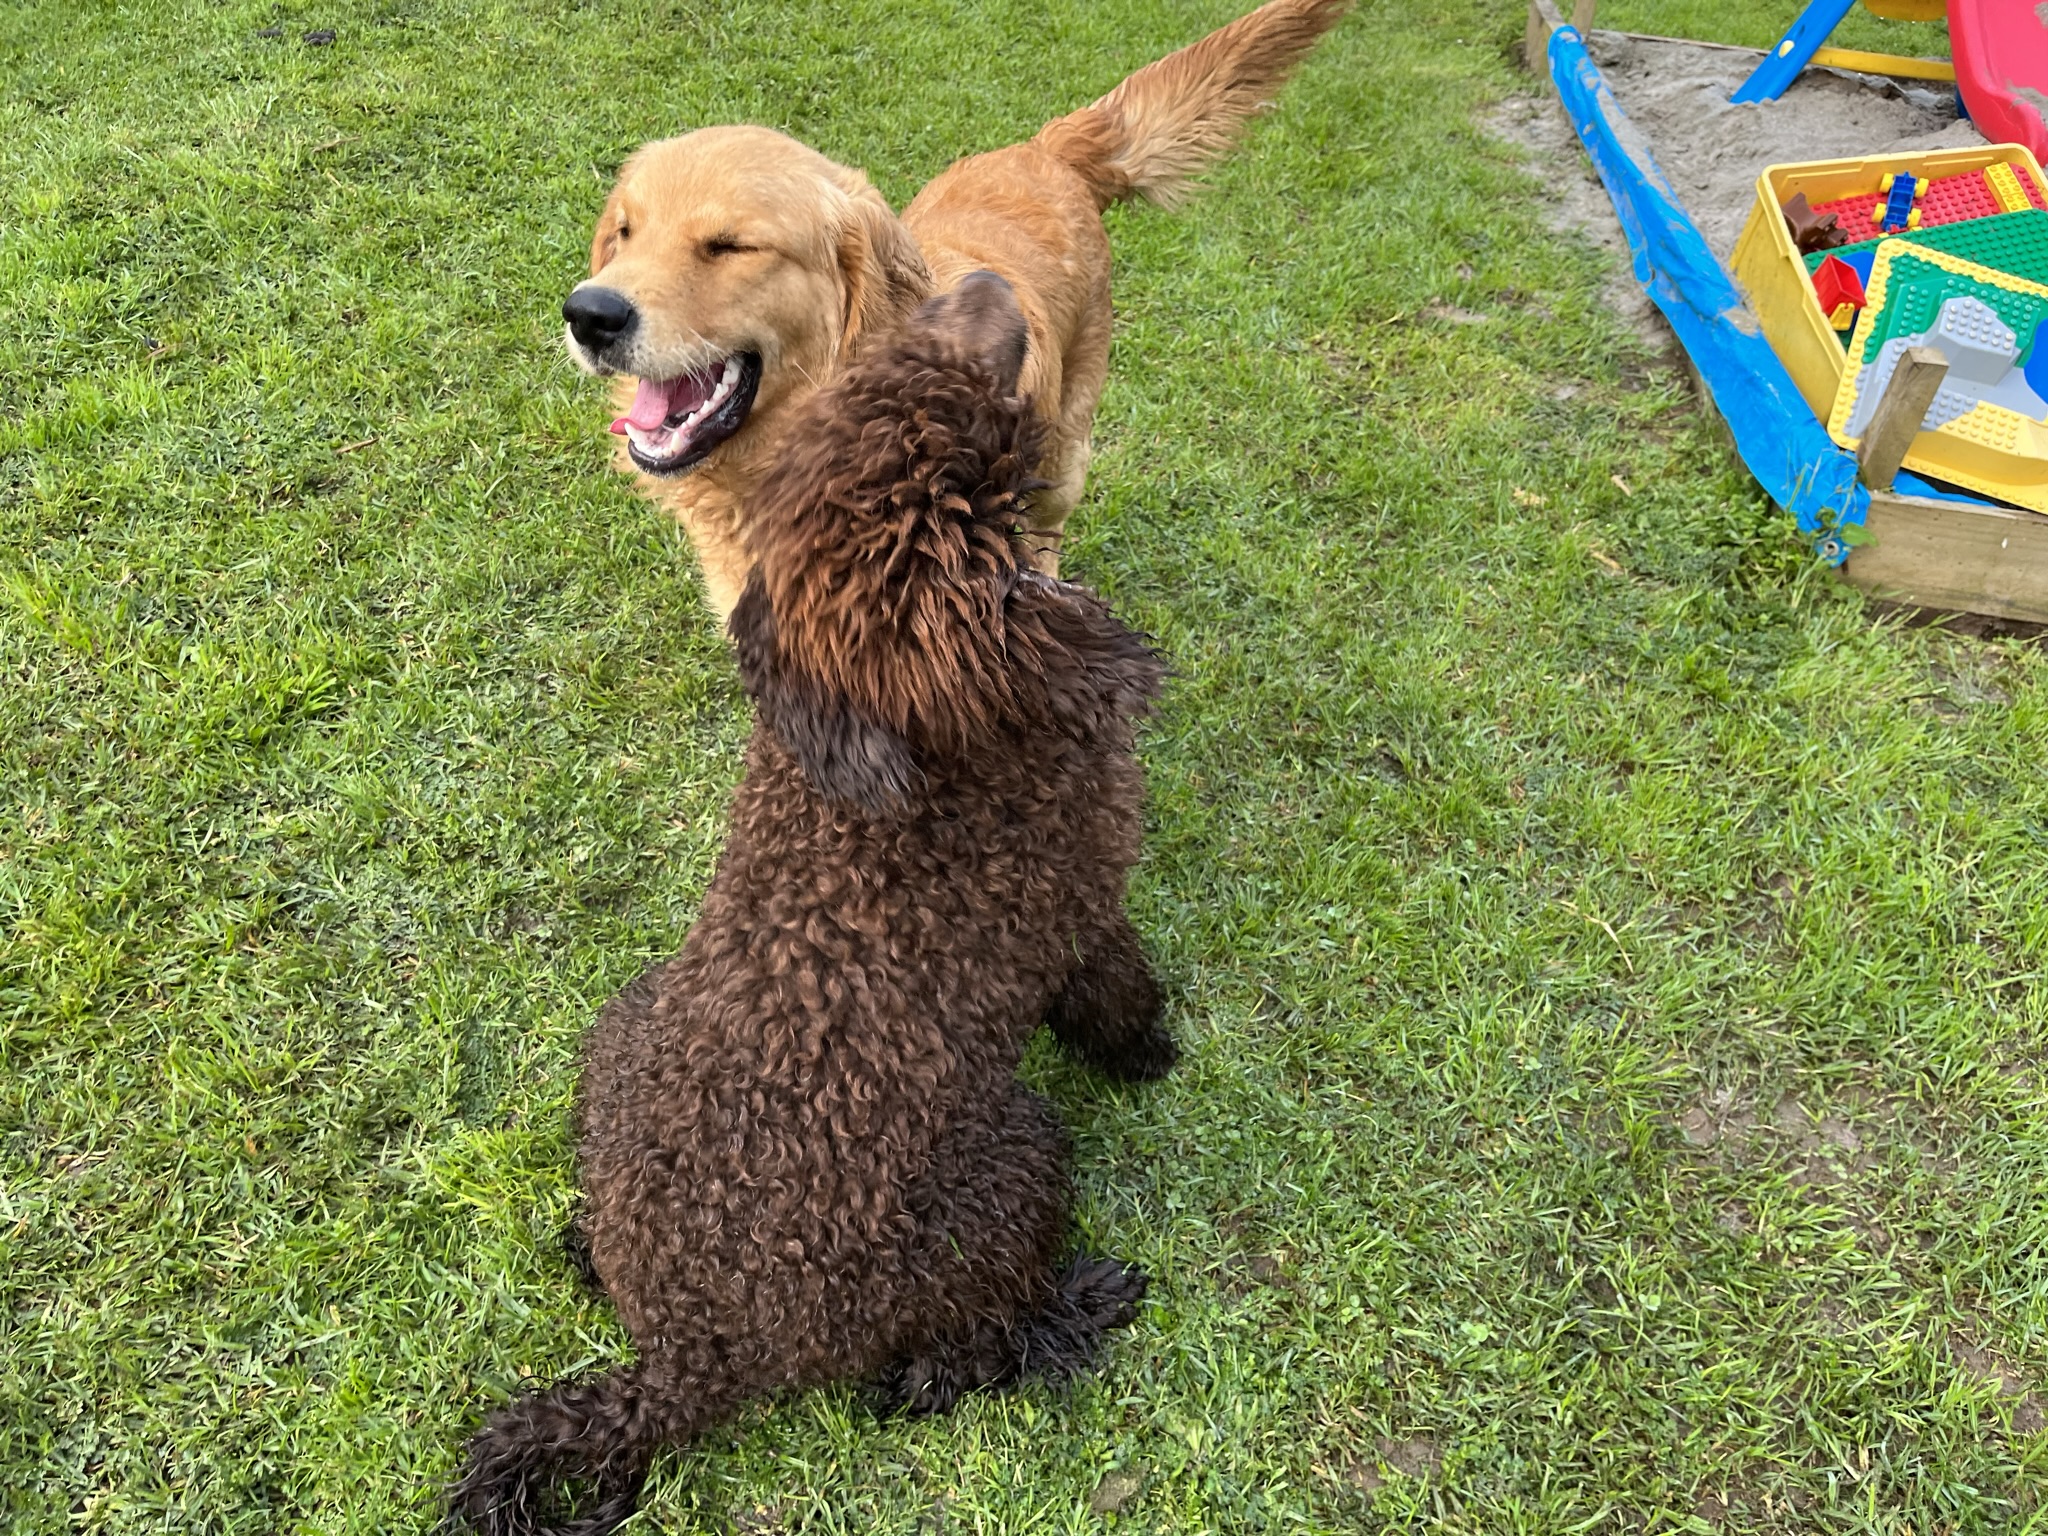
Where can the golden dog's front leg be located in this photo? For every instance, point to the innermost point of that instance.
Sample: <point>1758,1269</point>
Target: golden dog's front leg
<point>1066,466</point>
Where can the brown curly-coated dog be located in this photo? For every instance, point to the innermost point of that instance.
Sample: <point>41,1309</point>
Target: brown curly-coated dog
<point>805,1151</point>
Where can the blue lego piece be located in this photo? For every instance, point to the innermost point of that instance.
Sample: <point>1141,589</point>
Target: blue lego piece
<point>1898,212</point>
<point>1861,261</point>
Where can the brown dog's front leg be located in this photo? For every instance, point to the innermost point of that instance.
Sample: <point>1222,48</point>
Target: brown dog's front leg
<point>1108,1012</point>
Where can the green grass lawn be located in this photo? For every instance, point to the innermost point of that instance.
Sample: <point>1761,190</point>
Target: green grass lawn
<point>1611,959</point>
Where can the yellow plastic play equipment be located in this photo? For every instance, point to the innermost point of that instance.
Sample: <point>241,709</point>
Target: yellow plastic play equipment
<point>1768,264</point>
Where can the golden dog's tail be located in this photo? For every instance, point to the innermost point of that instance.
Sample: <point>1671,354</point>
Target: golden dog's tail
<point>1151,135</point>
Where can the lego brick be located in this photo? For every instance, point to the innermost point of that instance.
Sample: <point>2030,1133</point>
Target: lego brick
<point>1839,287</point>
<point>1898,208</point>
<point>2005,187</point>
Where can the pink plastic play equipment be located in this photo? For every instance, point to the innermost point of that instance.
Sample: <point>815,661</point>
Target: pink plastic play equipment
<point>2001,57</point>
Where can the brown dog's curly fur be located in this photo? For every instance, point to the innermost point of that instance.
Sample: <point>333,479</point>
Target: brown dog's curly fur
<point>805,1151</point>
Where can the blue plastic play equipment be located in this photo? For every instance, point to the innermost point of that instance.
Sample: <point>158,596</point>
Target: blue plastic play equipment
<point>1781,66</point>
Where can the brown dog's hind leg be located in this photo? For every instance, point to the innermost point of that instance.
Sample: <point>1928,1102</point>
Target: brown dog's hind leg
<point>1059,1340</point>
<point>1108,1013</point>
<point>992,1220</point>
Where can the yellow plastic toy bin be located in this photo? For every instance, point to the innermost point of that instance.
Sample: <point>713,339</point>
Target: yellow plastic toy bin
<point>1768,264</point>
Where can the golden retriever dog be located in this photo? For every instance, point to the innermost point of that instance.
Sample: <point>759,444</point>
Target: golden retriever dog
<point>734,271</point>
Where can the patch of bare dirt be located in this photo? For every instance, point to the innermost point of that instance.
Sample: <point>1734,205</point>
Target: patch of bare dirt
<point>1115,1490</point>
<point>1364,1477</point>
<point>1246,1273</point>
<point>1720,1116</point>
<point>1416,1456</point>
<point>2029,1407</point>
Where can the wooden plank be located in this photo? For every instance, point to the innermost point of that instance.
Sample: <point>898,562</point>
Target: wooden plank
<point>1536,41</point>
<point>1899,65</point>
<point>1947,554</point>
<point>1544,19</point>
<point>1900,410</point>
<point>1582,15</point>
<point>1683,42</point>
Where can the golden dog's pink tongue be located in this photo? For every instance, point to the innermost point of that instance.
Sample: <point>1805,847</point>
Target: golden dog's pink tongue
<point>650,407</point>
<point>656,400</point>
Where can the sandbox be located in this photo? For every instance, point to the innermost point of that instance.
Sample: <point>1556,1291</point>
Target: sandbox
<point>1680,163</point>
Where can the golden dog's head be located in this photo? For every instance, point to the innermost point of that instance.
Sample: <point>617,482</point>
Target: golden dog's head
<point>730,271</point>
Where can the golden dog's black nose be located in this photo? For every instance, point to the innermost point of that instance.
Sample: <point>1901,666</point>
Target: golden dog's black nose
<point>598,316</point>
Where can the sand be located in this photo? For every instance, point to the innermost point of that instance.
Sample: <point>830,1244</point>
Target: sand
<point>1711,150</point>
<point>1676,96</point>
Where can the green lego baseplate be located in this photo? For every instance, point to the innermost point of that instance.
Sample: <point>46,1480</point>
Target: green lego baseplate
<point>1911,301</point>
<point>1972,436</point>
<point>2005,242</point>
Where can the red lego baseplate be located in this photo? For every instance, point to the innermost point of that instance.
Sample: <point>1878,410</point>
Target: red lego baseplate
<point>1947,200</point>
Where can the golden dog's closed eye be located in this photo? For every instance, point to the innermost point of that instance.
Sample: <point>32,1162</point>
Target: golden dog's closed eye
<point>726,245</point>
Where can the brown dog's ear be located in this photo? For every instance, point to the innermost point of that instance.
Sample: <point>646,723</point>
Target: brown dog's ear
<point>1079,670</point>
<point>843,753</point>
<point>884,271</point>
<point>978,318</point>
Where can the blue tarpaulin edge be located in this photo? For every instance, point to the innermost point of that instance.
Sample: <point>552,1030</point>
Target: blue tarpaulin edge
<point>1775,432</point>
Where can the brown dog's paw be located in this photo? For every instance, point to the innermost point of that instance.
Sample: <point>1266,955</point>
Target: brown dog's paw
<point>1144,1058</point>
<point>933,1382</point>
<point>1094,1296</point>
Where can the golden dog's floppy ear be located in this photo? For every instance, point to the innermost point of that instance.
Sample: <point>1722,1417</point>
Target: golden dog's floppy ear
<point>881,266</point>
<point>604,240</point>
